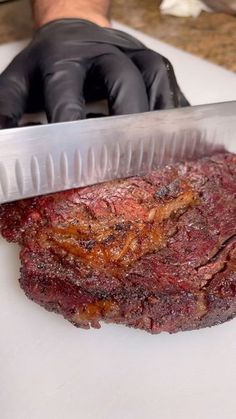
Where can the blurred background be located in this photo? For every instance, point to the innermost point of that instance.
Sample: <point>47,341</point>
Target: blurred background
<point>210,35</point>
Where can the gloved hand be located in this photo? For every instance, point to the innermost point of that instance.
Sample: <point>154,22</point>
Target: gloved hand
<point>71,61</point>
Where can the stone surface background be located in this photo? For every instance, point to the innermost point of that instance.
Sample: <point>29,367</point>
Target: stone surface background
<point>211,35</point>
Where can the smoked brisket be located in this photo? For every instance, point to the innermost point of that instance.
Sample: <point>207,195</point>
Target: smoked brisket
<point>156,252</point>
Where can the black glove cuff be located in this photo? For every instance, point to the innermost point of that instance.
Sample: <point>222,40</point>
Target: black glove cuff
<point>65,21</point>
<point>89,32</point>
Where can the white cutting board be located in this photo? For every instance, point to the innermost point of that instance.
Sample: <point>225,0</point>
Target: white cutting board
<point>51,370</point>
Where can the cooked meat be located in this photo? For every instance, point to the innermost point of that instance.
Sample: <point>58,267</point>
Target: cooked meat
<point>156,252</point>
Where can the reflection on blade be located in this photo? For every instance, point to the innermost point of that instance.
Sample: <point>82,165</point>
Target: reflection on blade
<point>50,172</point>
<point>19,176</point>
<point>77,167</point>
<point>140,155</point>
<point>174,147</point>
<point>128,159</point>
<point>161,151</point>
<point>150,158</point>
<point>35,174</point>
<point>64,169</point>
<point>115,159</point>
<point>90,167</point>
<point>104,161</point>
<point>192,145</point>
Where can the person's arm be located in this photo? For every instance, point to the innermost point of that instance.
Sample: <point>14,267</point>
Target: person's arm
<point>96,11</point>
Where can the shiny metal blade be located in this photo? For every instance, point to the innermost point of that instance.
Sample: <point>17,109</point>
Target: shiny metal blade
<point>50,158</point>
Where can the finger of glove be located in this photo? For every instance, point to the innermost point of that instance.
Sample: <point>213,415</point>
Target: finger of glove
<point>13,93</point>
<point>126,91</point>
<point>159,77</point>
<point>63,91</point>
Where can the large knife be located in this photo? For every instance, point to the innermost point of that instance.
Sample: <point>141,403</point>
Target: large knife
<point>44,159</point>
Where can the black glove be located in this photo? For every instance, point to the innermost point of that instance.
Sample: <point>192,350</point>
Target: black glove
<point>72,61</point>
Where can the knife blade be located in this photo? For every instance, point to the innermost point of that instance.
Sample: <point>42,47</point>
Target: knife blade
<point>44,159</point>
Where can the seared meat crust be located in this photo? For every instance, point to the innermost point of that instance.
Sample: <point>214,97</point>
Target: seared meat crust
<point>156,252</point>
